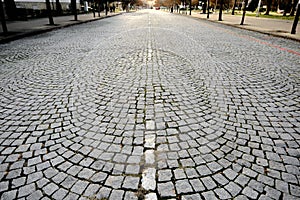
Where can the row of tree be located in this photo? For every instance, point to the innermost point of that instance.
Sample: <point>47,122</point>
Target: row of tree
<point>12,13</point>
<point>284,6</point>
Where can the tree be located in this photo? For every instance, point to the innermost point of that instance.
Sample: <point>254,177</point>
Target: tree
<point>11,9</point>
<point>269,4</point>
<point>125,4</point>
<point>287,7</point>
<point>139,3</point>
<point>49,12</point>
<point>204,7</point>
<point>221,8</point>
<point>2,17</point>
<point>244,11</point>
<point>296,20</point>
<point>207,9</point>
<point>58,7</point>
<point>233,7</point>
<point>74,9</point>
<point>251,5</point>
<point>293,9</point>
<point>195,3</point>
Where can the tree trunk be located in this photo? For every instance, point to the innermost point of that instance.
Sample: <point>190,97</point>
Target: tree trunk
<point>2,17</point>
<point>74,9</point>
<point>233,8</point>
<point>207,9</point>
<point>287,7</point>
<point>293,9</point>
<point>11,9</point>
<point>94,6</point>
<point>296,20</point>
<point>244,11</point>
<point>258,9</point>
<point>106,8</point>
<point>49,12</point>
<point>221,8</point>
<point>99,9</point>
<point>269,4</point>
<point>204,7</point>
<point>58,7</point>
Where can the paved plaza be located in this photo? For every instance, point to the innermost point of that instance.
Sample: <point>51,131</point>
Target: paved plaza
<point>150,105</point>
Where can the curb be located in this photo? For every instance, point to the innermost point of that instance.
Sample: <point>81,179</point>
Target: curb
<point>51,28</point>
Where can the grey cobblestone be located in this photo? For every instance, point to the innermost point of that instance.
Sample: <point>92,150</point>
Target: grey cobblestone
<point>26,190</point>
<point>60,193</point>
<point>209,183</point>
<point>84,117</point>
<point>183,186</point>
<point>50,188</point>
<point>114,181</point>
<point>79,187</point>
<point>164,175</point>
<point>9,195</point>
<point>166,189</point>
<point>131,182</point>
<point>222,194</point>
<point>249,192</point>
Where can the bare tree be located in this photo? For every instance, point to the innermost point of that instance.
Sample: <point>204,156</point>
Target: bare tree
<point>233,7</point>
<point>2,17</point>
<point>293,9</point>
<point>11,9</point>
<point>221,9</point>
<point>58,7</point>
<point>49,12</point>
<point>74,9</point>
<point>296,19</point>
<point>244,11</point>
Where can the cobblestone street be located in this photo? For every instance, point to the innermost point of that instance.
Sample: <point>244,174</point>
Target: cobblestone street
<point>150,105</point>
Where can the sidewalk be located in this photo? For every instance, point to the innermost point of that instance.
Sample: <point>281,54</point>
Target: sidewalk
<point>275,27</point>
<point>20,29</point>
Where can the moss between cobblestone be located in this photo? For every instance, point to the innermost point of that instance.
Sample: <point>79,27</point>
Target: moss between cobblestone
<point>141,192</point>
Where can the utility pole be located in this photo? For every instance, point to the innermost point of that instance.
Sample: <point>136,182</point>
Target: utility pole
<point>296,19</point>
<point>3,22</point>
